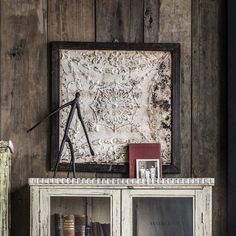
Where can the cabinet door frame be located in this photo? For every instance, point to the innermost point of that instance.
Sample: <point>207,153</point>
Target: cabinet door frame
<point>201,207</point>
<point>40,208</point>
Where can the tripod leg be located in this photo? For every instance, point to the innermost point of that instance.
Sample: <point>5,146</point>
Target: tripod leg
<point>85,131</point>
<point>65,137</point>
<point>59,156</point>
<point>72,156</point>
<point>69,168</point>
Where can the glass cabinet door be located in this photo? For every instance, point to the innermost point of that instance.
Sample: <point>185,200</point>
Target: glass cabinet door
<point>163,216</point>
<point>159,213</point>
<point>80,212</point>
<point>80,216</point>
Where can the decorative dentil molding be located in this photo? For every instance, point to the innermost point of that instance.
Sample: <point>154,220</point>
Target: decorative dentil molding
<point>121,181</point>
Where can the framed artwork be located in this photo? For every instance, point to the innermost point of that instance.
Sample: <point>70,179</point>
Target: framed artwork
<point>148,169</point>
<point>129,94</point>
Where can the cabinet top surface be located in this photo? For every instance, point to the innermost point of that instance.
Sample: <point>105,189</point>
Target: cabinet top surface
<point>124,182</point>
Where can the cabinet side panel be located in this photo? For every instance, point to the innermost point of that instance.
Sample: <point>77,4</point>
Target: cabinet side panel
<point>116,212</point>
<point>126,214</point>
<point>207,211</point>
<point>34,211</point>
<point>44,213</point>
<point>198,207</point>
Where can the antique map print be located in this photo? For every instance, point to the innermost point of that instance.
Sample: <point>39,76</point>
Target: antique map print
<point>125,98</point>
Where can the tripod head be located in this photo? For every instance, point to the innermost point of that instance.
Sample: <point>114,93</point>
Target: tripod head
<point>74,105</point>
<point>77,95</point>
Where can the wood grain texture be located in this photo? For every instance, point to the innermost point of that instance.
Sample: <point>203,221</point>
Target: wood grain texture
<point>72,20</point>
<point>119,20</point>
<point>231,113</point>
<point>24,97</point>
<point>175,26</point>
<point>208,83</point>
<point>151,21</point>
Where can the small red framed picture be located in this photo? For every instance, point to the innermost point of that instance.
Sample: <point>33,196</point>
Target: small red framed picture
<point>143,151</point>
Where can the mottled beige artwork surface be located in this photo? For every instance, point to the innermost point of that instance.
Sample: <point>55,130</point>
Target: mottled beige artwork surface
<point>125,98</point>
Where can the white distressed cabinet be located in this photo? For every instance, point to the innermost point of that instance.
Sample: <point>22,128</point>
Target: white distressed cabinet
<point>133,207</point>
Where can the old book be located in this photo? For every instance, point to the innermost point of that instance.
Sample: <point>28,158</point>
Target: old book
<point>105,229</point>
<point>69,225</point>
<point>58,225</point>
<point>143,151</point>
<point>80,225</point>
<point>95,229</point>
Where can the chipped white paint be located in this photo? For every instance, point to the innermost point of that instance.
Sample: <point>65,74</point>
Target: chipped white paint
<point>202,214</point>
<point>6,148</point>
<point>121,193</point>
<point>125,98</point>
<point>40,225</point>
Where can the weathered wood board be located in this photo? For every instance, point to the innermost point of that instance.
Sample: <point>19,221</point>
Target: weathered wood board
<point>208,101</point>
<point>24,97</point>
<point>119,21</point>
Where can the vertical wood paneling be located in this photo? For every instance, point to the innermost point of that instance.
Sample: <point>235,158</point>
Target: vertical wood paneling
<point>24,97</point>
<point>122,21</point>
<point>72,20</point>
<point>231,116</point>
<point>24,85</point>
<point>119,20</point>
<point>208,136</point>
<point>151,20</point>
<point>175,27</point>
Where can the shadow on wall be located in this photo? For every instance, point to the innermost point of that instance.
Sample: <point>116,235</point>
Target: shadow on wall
<point>19,199</point>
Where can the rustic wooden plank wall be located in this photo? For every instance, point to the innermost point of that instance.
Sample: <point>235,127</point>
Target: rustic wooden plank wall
<point>27,26</point>
<point>231,97</point>
<point>208,101</point>
<point>24,97</point>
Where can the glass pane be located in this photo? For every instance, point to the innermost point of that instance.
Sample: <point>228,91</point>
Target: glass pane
<point>80,216</point>
<point>162,216</point>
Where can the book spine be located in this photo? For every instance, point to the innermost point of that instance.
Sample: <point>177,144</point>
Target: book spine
<point>87,230</point>
<point>58,222</point>
<point>95,229</point>
<point>105,229</point>
<point>80,224</point>
<point>69,225</point>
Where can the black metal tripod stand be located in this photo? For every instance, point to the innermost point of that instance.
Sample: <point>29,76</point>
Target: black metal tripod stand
<point>74,106</point>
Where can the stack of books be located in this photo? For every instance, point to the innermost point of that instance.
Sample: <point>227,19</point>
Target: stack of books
<point>75,225</point>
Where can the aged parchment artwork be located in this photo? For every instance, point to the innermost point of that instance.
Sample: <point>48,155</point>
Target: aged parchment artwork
<point>125,98</point>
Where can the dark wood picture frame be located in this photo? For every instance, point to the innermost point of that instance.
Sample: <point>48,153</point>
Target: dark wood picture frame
<point>54,60</point>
